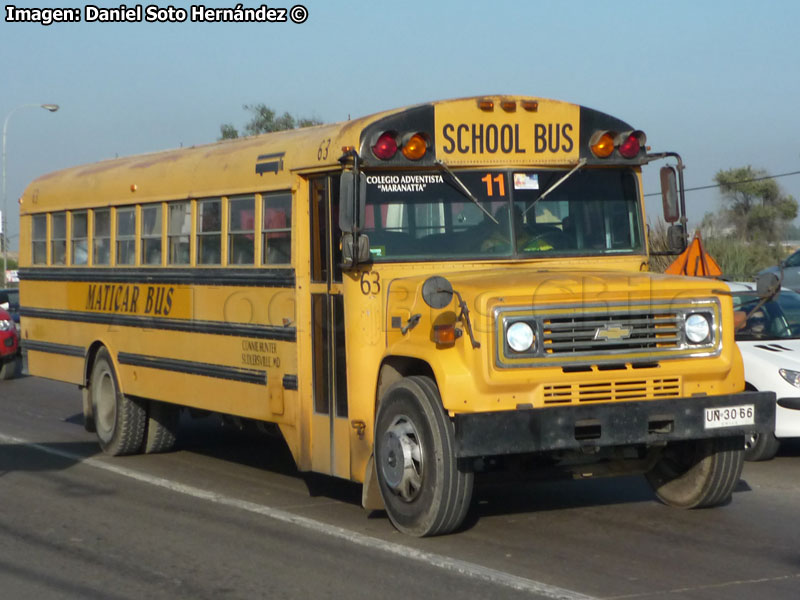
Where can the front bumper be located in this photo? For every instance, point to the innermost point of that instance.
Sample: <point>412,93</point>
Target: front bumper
<point>573,427</point>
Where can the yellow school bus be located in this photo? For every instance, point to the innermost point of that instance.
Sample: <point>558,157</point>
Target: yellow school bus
<point>413,298</point>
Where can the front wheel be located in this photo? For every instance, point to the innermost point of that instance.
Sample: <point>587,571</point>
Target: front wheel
<point>760,446</point>
<point>698,473</point>
<point>422,487</point>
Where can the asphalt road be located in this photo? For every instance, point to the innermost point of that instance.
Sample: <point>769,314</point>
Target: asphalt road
<point>228,516</point>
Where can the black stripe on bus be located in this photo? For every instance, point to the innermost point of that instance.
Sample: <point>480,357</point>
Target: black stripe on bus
<point>283,278</point>
<point>52,348</point>
<point>261,332</point>
<point>193,368</point>
<point>290,382</point>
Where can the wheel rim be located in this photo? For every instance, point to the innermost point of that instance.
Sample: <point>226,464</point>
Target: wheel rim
<point>401,459</point>
<point>105,410</point>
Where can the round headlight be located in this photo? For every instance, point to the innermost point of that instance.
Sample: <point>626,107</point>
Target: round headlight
<point>698,329</point>
<point>520,337</point>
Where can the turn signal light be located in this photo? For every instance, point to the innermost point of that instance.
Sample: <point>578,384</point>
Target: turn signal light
<point>444,335</point>
<point>602,144</point>
<point>386,146</point>
<point>415,147</point>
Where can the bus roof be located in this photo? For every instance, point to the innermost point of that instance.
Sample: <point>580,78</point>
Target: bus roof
<point>270,161</point>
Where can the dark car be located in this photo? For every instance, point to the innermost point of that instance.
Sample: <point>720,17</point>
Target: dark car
<point>10,354</point>
<point>9,301</point>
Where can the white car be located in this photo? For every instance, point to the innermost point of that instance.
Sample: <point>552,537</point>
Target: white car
<point>768,336</point>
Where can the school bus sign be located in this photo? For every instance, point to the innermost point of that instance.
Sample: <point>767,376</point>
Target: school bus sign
<point>546,133</point>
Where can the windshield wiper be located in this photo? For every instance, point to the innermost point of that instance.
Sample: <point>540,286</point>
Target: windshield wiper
<point>464,190</point>
<point>574,170</point>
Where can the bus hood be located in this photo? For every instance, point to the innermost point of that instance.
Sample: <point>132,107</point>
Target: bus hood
<point>525,286</point>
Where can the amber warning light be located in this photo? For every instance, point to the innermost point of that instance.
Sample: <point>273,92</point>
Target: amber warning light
<point>628,143</point>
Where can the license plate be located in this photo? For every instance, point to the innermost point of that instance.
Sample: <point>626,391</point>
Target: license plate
<point>730,416</point>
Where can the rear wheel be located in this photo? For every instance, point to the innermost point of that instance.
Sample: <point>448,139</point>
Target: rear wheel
<point>760,446</point>
<point>162,427</point>
<point>698,473</point>
<point>119,420</point>
<point>422,487</point>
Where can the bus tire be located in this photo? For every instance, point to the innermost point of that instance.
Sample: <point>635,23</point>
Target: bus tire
<point>119,420</point>
<point>162,427</point>
<point>698,473</point>
<point>11,368</point>
<point>760,446</point>
<point>423,490</point>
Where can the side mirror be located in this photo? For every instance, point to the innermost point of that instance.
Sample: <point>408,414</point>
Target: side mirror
<point>354,253</point>
<point>767,285</point>
<point>351,217</point>
<point>676,239</point>
<point>437,292</point>
<point>669,194</point>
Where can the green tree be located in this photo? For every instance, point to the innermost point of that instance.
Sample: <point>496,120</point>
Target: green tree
<point>266,120</point>
<point>755,205</point>
<point>746,235</point>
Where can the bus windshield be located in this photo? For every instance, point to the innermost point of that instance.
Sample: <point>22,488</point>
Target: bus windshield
<point>426,216</point>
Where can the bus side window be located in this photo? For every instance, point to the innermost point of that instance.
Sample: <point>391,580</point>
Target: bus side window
<point>241,222</point>
<point>179,230</point>
<point>209,232</point>
<point>277,229</point>
<point>59,239</point>
<point>151,235</point>
<point>39,240</point>
<point>79,238</point>
<point>101,240</point>
<point>126,236</point>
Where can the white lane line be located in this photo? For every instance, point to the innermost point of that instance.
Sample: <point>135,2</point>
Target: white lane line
<point>711,586</point>
<point>460,567</point>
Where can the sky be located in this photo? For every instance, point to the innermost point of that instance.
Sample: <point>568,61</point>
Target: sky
<point>717,82</point>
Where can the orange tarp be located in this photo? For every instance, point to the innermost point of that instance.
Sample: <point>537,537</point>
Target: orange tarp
<point>695,261</point>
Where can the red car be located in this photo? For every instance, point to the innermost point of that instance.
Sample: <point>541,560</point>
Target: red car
<point>10,354</point>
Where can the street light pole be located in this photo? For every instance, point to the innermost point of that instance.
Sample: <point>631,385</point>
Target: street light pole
<point>3,215</point>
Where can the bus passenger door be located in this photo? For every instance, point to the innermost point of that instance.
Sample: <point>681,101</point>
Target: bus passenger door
<point>330,435</point>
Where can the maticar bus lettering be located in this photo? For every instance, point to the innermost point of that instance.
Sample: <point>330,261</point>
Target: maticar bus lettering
<point>123,298</point>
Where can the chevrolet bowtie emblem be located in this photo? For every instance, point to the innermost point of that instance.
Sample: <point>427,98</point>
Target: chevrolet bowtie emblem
<point>612,331</point>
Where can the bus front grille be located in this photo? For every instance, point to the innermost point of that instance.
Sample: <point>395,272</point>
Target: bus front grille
<point>614,332</point>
